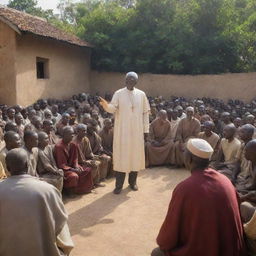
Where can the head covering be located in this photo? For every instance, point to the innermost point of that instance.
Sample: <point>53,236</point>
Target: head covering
<point>190,109</point>
<point>133,74</point>
<point>200,148</point>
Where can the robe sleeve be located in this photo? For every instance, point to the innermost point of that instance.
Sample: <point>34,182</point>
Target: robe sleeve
<point>179,131</point>
<point>146,111</point>
<point>64,240</point>
<point>113,105</point>
<point>168,236</point>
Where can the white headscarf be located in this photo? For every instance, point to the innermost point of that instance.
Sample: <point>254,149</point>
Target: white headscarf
<point>133,74</point>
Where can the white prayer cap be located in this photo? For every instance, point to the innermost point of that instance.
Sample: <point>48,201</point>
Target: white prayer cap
<point>133,74</point>
<point>190,109</point>
<point>200,148</point>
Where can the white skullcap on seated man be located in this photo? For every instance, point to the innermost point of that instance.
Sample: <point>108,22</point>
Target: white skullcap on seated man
<point>200,148</point>
<point>205,203</point>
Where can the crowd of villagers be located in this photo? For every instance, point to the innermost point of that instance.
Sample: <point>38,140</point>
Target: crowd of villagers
<point>69,143</point>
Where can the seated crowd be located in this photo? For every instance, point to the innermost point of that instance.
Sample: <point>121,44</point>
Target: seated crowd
<point>69,142</point>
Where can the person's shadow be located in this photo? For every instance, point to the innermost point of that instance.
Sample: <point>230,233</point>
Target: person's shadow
<point>95,212</point>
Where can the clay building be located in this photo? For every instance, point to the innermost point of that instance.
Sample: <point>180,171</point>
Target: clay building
<point>38,60</point>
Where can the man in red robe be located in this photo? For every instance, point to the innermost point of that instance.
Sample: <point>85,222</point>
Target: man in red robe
<point>203,216</point>
<point>77,178</point>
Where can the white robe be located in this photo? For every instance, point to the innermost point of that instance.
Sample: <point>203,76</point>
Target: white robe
<point>131,109</point>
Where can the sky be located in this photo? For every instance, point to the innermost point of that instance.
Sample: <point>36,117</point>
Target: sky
<point>45,4</point>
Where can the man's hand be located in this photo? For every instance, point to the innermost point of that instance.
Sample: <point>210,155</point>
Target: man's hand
<point>103,102</point>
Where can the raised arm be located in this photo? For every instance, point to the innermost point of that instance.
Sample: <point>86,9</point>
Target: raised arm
<point>112,106</point>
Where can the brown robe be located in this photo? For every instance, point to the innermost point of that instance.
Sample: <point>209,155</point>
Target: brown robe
<point>186,129</point>
<point>246,176</point>
<point>32,161</point>
<point>107,141</point>
<point>47,168</point>
<point>97,149</point>
<point>86,157</point>
<point>160,132</point>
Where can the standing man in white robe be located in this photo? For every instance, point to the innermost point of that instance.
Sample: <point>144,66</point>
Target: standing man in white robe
<point>131,109</point>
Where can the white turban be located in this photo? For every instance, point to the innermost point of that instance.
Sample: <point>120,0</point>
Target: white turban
<point>200,148</point>
<point>133,74</point>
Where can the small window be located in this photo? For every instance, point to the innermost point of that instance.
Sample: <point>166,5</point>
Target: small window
<point>42,68</point>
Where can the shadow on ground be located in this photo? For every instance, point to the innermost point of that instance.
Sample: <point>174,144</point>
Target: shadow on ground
<point>95,212</point>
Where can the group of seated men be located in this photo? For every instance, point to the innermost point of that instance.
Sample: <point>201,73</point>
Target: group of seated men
<point>73,154</point>
<point>69,143</point>
<point>231,135</point>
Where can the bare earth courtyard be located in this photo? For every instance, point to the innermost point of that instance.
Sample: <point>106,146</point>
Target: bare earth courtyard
<point>104,224</point>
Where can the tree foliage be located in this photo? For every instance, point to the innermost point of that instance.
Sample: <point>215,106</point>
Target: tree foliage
<point>167,36</point>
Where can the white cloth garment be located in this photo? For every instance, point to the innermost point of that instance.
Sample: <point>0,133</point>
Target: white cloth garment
<point>131,109</point>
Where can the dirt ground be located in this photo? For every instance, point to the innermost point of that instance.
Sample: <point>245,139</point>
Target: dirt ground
<point>104,224</point>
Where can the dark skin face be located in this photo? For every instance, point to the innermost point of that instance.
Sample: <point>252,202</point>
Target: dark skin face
<point>238,122</point>
<point>228,133</point>
<point>108,124</point>
<point>162,116</point>
<point>18,119</point>
<point>130,82</point>
<point>36,107</point>
<point>226,118</point>
<point>32,141</point>
<point>81,132</point>
<point>174,114</point>
<point>65,119</point>
<point>190,114</point>
<point>244,134</point>
<point>91,129</point>
<point>54,109</point>
<point>68,136</point>
<point>11,113</point>
<point>43,141</point>
<point>250,150</point>
<point>48,127</point>
<point>208,130</point>
<point>43,104</point>
<point>13,142</point>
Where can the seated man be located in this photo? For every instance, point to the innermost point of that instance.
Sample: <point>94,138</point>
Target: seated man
<point>205,203</point>
<point>49,129</point>
<point>159,146</point>
<point>46,166</point>
<point>12,140</point>
<point>248,200</point>
<point>211,137</point>
<point>31,143</point>
<point>229,147</point>
<point>77,179</point>
<point>242,173</point>
<point>97,149</point>
<point>85,155</point>
<point>188,127</point>
<point>64,121</point>
<point>37,209</point>
<point>106,135</point>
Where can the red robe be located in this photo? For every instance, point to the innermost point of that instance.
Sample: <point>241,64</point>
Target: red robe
<point>66,158</point>
<point>203,218</point>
